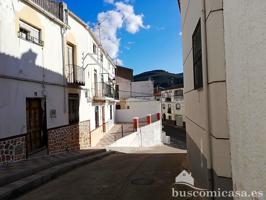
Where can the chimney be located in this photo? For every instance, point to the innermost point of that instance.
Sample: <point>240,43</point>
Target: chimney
<point>63,12</point>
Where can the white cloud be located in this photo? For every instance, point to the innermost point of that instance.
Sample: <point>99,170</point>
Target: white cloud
<point>118,61</point>
<point>122,16</point>
<point>133,22</point>
<point>109,1</point>
<point>111,22</point>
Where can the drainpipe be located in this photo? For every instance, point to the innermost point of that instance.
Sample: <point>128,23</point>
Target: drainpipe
<point>63,31</point>
<point>206,89</point>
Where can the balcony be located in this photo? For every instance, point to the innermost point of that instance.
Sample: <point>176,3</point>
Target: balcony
<point>103,90</point>
<point>51,6</point>
<point>75,75</point>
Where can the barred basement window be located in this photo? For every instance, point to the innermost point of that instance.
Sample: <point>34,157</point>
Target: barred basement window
<point>197,57</point>
<point>29,33</point>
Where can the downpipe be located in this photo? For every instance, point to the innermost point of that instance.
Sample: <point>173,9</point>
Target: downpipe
<point>63,31</point>
<point>206,90</point>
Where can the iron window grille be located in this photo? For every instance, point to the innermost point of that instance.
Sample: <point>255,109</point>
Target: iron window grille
<point>197,57</point>
<point>29,33</point>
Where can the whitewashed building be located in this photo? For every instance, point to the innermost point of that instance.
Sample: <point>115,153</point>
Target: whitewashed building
<point>172,100</point>
<point>224,45</point>
<point>57,81</point>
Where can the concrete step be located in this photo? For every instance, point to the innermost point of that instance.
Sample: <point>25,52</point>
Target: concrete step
<point>33,180</point>
<point>19,170</point>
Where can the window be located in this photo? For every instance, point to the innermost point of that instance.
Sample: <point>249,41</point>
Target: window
<point>197,57</point>
<point>70,63</point>
<point>111,112</point>
<point>94,49</point>
<point>29,33</point>
<point>178,106</point>
<point>73,108</point>
<point>118,107</point>
<point>163,106</point>
<point>101,58</point>
<point>179,93</point>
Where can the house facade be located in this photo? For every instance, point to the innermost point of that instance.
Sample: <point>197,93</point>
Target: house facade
<point>223,59</point>
<point>57,81</point>
<point>173,105</point>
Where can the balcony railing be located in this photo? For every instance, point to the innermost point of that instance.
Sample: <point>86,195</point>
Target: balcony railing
<point>75,74</point>
<point>103,90</point>
<point>51,6</point>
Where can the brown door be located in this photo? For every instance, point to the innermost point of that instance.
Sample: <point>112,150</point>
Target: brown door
<point>36,125</point>
<point>103,118</point>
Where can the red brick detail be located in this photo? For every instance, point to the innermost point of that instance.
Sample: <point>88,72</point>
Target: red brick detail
<point>69,138</point>
<point>13,149</point>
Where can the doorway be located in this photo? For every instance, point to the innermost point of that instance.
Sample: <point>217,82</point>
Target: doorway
<point>103,118</point>
<point>36,125</point>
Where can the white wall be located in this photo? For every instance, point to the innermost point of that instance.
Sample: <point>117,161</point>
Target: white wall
<point>142,89</point>
<point>124,87</point>
<point>31,70</point>
<point>22,60</point>
<point>137,108</point>
<point>147,136</point>
<point>245,47</point>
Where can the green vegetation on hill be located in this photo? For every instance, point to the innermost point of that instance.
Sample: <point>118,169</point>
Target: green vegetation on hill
<point>161,78</point>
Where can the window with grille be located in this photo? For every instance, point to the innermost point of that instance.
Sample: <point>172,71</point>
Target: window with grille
<point>29,33</point>
<point>197,57</point>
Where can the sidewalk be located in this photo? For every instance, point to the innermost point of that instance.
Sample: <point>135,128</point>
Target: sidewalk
<point>19,177</point>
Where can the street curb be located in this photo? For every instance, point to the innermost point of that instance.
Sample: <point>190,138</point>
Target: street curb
<point>4,180</point>
<point>26,184</point>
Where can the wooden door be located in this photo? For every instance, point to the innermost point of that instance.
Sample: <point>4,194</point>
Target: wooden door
<point>36,125</point>
<point>103,118</point>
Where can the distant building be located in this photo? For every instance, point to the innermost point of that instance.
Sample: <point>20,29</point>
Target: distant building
<point>224,45</point>
<point>127,88</point>
<point>124,78</point>
<point>143,89</point>
<point>172,100</point>
<point>136,99</point>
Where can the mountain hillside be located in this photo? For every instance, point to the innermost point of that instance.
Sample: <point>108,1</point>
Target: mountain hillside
<point>161,78</point>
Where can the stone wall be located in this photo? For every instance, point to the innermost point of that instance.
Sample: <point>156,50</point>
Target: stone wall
<point>69,138</point>
<point>13,149</point>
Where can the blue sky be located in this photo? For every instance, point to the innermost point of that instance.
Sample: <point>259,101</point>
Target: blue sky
<point>155,45</point>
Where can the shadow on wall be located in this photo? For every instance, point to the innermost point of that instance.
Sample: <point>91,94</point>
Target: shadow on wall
<point>29,94</point>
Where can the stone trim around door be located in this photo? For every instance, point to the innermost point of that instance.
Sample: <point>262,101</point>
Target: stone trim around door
<point>13,149</point>
<point>69,138</point>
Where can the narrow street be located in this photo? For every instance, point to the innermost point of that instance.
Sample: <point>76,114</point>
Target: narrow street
<point>118,176</point>
<point>177,135</point>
